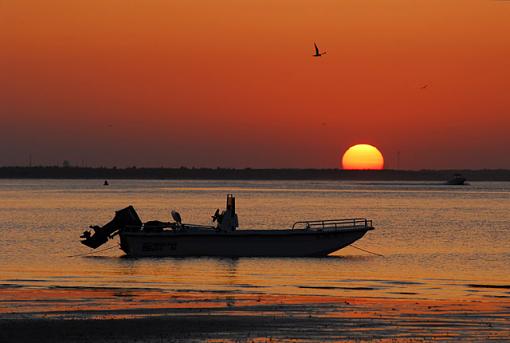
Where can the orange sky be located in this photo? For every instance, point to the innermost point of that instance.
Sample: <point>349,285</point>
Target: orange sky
<point>233,83</point>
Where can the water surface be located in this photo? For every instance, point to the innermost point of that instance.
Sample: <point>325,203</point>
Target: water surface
<point>438,242</point>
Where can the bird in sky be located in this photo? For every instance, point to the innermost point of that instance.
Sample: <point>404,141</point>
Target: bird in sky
<point>424,87</point>
<point>317,52</point>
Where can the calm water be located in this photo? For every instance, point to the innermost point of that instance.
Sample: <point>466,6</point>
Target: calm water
<point>437,241</point>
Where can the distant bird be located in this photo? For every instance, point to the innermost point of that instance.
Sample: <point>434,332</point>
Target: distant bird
<point>424,87</point>
<point>317,52</point>
<point>176,216</point>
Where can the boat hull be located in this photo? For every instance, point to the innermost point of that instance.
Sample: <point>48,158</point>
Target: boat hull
<point>242,243</point>
<point>456,182</point>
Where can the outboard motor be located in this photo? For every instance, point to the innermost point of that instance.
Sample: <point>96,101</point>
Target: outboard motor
<point>126,218</point>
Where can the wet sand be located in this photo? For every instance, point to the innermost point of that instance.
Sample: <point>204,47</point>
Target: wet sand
<point>63,314</point>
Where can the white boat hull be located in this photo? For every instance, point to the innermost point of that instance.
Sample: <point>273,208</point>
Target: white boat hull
<point>240,243</point>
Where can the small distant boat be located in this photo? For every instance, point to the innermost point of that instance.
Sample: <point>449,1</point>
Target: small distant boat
<point>156,238</point>
<point>456,180</point>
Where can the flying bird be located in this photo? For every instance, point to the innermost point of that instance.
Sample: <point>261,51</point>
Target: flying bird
<point>424,87</point>
<point>317,52</point>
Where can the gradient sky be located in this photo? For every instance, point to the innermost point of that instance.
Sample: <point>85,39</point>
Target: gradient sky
<point>234,84</point>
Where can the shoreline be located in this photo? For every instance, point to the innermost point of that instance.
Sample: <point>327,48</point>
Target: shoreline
<point>287,174</point>
<point>352,319</point>
<point>72,315</point>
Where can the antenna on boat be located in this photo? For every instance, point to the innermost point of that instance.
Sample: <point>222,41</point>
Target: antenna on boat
<point>231,203</point>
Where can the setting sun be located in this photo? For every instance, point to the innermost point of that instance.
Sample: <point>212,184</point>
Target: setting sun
<point>362,156</point>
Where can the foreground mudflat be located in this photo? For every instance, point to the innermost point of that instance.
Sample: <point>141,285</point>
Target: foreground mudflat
<point>250,317</point>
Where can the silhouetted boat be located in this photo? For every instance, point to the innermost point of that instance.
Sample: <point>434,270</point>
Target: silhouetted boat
<point>155,238</point>
<point>456,180</point>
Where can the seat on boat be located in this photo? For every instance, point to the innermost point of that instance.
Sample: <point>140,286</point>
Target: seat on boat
<point>154,226</point>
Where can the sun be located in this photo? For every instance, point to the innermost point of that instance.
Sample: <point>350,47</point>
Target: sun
<point>363,156</point>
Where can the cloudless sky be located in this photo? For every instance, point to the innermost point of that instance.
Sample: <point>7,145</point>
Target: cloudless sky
<point>233,83</point>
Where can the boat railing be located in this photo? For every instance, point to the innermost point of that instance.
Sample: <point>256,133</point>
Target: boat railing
<point>333,224</point>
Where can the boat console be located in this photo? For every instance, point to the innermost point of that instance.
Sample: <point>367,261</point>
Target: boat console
<point>227,220</point>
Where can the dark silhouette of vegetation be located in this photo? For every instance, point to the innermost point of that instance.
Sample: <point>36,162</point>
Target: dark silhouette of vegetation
<point>55,172</point>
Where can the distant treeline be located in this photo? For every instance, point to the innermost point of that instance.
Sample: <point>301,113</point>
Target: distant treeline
<point>248,174</point>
